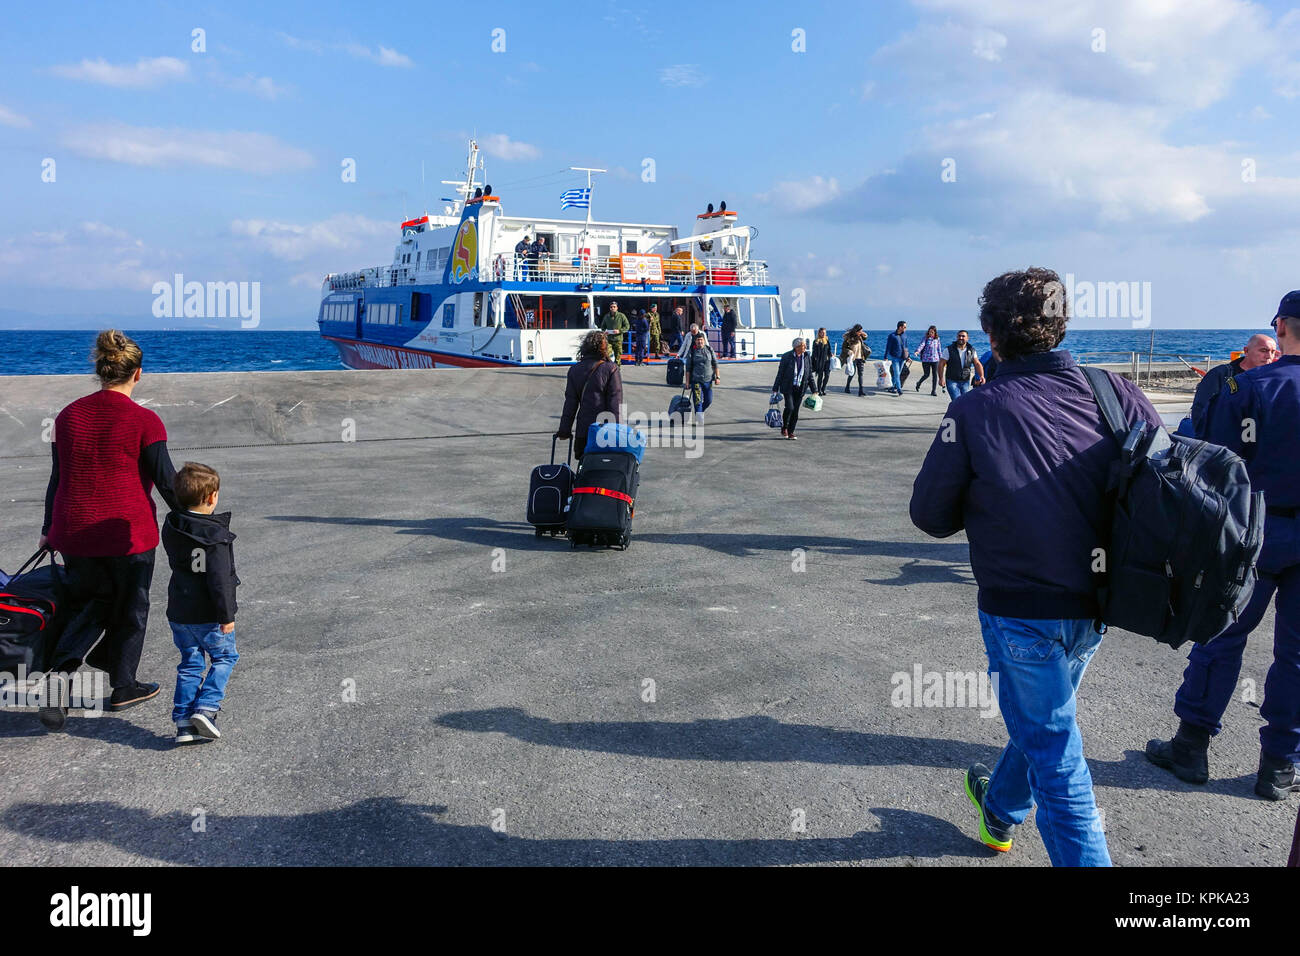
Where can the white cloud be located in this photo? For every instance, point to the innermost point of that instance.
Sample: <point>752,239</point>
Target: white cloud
<point>9,118</point>
<point>988,45</point>
<point>682,74</point>
<point>384,56</point>
<point>144,73</point>
<point>261,86</point>
<point>156,147</point>
<point>501,146</point>
<point>106,257</point>
<point>796,196</point>
<point>387,57</point>
<point>295,242</point>
<point>1054,138</point>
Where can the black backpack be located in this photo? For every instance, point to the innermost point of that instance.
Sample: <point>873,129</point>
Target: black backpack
<point>1184,531</point>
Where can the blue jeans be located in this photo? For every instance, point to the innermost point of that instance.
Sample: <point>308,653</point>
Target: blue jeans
<point>957,389</point>
<point>1212,669</point>
<point>1038,665</point>
<point>896,371</point>
<point>706,396</point>
<point>198,643</point>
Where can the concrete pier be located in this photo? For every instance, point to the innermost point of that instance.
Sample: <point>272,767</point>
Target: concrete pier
<point>423,681</point>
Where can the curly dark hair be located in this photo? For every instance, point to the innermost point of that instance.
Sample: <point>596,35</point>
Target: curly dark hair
<point>1024,312</point>
<point>594,345</point>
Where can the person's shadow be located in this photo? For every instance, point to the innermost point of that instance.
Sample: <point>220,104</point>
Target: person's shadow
<point>387,831</point>
<point>757,738</point>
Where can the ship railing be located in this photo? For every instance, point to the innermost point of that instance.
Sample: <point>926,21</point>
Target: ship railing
<point>606,269</point>
<point>561,268</point>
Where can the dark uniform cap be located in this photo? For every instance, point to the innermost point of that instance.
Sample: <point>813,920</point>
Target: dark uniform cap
<point>1289,307</point>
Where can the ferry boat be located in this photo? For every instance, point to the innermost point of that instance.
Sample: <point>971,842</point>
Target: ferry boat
<point>457,295</point>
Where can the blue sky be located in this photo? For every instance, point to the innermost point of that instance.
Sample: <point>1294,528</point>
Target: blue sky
<point>1118,163</point>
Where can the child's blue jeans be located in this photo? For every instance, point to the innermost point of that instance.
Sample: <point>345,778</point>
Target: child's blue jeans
<point>199,643</point>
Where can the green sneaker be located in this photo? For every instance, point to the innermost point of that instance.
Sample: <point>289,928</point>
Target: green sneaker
<point>993,832</point>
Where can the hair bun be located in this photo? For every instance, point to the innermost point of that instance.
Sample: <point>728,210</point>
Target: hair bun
<point>116,357</point>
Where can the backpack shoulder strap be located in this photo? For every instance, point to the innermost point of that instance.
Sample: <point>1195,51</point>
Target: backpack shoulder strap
<point>1103,389</point>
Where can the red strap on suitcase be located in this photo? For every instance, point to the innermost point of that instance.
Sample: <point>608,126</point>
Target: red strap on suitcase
<point>603,491</point>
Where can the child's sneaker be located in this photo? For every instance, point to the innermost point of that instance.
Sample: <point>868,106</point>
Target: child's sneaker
<point>205,724</point>
<point>185,732</point>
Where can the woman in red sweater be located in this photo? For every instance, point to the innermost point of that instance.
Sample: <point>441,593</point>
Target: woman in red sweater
<point>109,453</point>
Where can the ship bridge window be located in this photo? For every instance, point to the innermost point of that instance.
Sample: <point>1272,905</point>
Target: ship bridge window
<point>631,246</point>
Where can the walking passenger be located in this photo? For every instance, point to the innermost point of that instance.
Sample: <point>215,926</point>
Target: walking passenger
<point>958,365</point>
<point>1022,466</point>
<point>853,354</point>
<point>794,379</point>
<point>821,361</point>
<point>689,342</point>
<point>701,373</point>
<point>896,354</point>
<point>673,329</point>
<point>108,455</point>
<point>929,352</point>
<point>594,385</point>
<point>1257,416</point>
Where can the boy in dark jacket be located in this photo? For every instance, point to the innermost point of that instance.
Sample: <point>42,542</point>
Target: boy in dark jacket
<point>200,601</point>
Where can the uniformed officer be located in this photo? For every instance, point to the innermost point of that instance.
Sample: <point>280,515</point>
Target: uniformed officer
<point>615,323</point>
<point>1258,417</point>
<point>1259,350</point>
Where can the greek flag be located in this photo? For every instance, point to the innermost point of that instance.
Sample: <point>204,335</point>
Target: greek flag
<point>576,198</point>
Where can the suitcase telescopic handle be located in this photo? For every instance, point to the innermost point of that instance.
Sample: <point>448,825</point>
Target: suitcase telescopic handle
<point>568,455</point>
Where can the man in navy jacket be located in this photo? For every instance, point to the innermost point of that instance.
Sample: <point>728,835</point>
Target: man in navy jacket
<point>1021,465</point>
<point>896,354</point>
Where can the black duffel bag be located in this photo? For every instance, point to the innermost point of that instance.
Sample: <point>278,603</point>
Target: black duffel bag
<point>30,601</point>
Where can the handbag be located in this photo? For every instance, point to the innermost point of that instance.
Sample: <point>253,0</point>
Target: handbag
<point>813,401</point>
<point>773,417</point>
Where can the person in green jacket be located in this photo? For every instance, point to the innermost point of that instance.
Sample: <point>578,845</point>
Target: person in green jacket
<point>615,323</point>
<point>655,334</point>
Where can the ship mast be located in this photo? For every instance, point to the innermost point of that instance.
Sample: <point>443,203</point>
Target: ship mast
<point>466,189</point>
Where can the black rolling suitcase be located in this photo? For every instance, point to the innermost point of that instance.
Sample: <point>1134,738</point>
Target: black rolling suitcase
<point>548,493</point>
<point>676,372</point>
<point>681,405</point>
<point>604,496</point>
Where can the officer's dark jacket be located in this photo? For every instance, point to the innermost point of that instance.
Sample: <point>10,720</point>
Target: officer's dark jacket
<point>1266,408</point>
<point>1021,465</point>
<point>1210,388</point>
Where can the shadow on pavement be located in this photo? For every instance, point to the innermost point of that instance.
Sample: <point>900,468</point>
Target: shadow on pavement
<point>386,831</point>
<point>517,534</point>
<point>107,728</point>
<point>757,738</point>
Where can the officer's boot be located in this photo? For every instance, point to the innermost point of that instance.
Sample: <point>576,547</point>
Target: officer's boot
<point>1187,755</point>
<point>1277,777</point>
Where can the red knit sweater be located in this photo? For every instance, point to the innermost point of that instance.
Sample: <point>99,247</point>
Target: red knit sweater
<point>103,504</point>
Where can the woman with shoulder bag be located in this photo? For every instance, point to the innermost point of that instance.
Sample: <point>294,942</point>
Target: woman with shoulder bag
<point>854,354</point>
